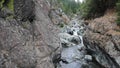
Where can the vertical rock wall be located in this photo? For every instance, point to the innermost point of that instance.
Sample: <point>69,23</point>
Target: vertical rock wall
<point>27,45</point>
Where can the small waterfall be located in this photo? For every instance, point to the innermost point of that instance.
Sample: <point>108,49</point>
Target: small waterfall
<point>73,53</point>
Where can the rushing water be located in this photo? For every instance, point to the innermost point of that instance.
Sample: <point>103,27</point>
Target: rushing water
<point>73,53</point>
<point>76,54</point>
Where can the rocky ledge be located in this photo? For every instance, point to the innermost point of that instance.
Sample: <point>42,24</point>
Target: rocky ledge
<point>102,36</point>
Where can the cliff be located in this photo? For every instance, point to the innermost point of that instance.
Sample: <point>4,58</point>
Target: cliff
<point>27,36</point>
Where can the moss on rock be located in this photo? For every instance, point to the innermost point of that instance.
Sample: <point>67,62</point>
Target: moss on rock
<point>1,3</point>
<point>10,5</point>
<point>7,3</point>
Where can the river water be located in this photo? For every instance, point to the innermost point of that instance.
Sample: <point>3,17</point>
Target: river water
<point>73,54</point>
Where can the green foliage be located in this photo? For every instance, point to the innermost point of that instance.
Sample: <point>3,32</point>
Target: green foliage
<point>118,6</point>
<point>10,5</point>
<point>90,8</point>
<point>69,6</point>
<point>118,22</point>
<point>1,3</point>
<point>118,12</point>
<point>7,3</point>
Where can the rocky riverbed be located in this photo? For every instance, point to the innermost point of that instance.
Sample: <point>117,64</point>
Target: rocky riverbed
<point>76,54</point>
<point>73,54</point>
<point>32,38</point>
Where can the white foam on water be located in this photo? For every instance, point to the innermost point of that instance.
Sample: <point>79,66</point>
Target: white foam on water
<point>72,53</point>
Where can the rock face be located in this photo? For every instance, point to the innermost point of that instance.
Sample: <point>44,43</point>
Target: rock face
<point>24,9</point>
<point>26,44</point>
<point>58,16</point>
<point>102,34</point>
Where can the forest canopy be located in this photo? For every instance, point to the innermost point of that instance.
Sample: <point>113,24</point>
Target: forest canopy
<point>88,8</point>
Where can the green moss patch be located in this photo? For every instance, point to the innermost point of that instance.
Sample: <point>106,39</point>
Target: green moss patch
<point>1,3</point>
<point>7,3</point>
<point>10,5</point>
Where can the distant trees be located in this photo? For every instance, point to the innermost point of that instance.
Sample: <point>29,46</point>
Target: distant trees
<point>96,8</point>
<point>89,8</point>
<point>69,6</point>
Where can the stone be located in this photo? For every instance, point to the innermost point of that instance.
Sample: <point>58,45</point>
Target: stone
<point>70,32</point>
<point>65,36</point>
<point>88,57</point>
<point>71,53</point>
<point>75,39</point>
<point>71,65</point>
<point>66,43</point>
